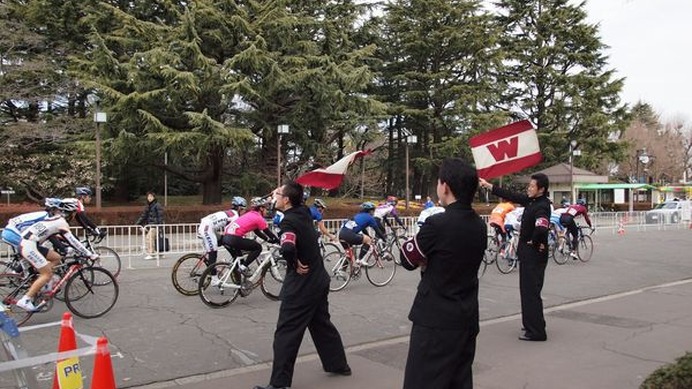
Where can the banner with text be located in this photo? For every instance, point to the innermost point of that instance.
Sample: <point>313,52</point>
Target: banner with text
<point>506,150</point>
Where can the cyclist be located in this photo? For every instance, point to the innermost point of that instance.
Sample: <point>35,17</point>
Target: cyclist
<point>386,209</point>
<point>353,231</point>
<point>317,211</point>
<point>555,215</point>
<point>252,220</point>
<point>84,194</point>
<point>497,218</point>
<point>40,257</point>
<point>567,220</point>
<point>211,227</point>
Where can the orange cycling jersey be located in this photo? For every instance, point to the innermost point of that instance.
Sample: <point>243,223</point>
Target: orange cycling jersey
<point>497,216</point>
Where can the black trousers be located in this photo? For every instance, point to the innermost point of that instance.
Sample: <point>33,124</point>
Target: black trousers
<point>253,248</point>
<point>440,358</point>
<point>294,317</point>
<point>531,274</point>
<point>568,222</point>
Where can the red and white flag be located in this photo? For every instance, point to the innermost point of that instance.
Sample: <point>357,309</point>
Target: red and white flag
<point>331,176</point>
<point>506,150</point>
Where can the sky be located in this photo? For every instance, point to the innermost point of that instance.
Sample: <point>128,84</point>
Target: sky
<point>649,42</point>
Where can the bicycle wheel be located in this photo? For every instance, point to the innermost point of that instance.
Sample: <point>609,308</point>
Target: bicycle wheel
<point>560,253</point>
<point>491,250</point>
<point>585,250</point>
<point>218,294</point>
<point>383,270</point>
<point>273,279</point>
<point>482,266</point>
<point>339,270</point>
<point>186,273</point>
<point>12,289</point>
<point>505,264</point>
<point>108,259</point>
<point>330,247</point>
<point>91,292</point>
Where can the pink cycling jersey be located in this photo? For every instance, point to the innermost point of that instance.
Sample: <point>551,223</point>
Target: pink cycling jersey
<point>249,221</point>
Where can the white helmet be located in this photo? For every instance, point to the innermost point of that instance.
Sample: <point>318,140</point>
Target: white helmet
<point>68,205</point>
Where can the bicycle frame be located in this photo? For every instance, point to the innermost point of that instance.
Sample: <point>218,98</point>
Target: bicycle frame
<point>267,259</point>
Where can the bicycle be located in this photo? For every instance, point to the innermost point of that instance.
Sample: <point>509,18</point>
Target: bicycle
<point>584,246</point>
<point>188,269</point>
<point>490,255</point>
<point>380,266</point>
<point>231,282</point>
<point>84,285</point>
<point>507,259</point>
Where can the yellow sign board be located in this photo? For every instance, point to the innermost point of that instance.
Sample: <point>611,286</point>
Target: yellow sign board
<point>69,374</point>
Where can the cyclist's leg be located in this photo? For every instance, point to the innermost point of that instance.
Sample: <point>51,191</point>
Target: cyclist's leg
<point>37,256</point>
<point>250,246</point>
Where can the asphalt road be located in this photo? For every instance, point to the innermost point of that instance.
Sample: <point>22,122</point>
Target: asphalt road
<point>157,334</point>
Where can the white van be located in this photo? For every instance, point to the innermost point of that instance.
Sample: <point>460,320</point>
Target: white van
<point>670,212</point>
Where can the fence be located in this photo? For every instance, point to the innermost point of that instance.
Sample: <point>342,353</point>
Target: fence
<point>130,240</point>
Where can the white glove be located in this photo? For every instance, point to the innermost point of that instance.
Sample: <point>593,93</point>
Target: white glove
<point>94,257</point>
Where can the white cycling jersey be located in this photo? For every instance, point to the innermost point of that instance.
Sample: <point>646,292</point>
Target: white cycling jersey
<point>217,221</point>
<point>381,211</point>
<point>40,232</point>
<point>12,232</point>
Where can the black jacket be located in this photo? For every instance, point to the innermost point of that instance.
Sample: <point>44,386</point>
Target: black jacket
<point>453,242</point>
<point>152,214</point>
<point>297,222</point>
<point>535,220</point>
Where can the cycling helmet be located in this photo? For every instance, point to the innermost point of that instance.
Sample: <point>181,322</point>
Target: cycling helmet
<point>257,202</point>
<point>239,202</point>
<point>320,204</point>
<point>68,205</point>
<point>367,206</point>
<point>392,200</point>
<point>52,202</point>
<point>581,201</point>
<point>82,191</point>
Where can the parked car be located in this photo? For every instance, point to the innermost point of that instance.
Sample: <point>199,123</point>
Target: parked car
<point>670,212</point>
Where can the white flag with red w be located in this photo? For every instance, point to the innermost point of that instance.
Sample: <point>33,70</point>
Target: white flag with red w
<point>331,176</point>
<point>506,150</point>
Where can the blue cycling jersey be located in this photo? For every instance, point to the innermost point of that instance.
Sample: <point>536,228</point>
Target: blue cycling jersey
<point>360,221</point>
<point>316,214</point>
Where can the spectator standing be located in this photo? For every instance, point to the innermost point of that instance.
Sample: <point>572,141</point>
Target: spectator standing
<point>449,249</point>
<point>151,217</point>
<point>304,302</point>
<point>532,251</point>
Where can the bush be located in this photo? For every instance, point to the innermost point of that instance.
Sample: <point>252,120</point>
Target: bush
<point>676,375</point>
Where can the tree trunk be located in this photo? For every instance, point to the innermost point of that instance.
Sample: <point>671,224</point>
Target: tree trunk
<point>211,184</point>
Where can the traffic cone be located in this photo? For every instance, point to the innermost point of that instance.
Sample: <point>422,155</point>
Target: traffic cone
<point>102,377</point>
<point>68,373</point>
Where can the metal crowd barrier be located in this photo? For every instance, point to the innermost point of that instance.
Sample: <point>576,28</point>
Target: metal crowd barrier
<point>130,241</point>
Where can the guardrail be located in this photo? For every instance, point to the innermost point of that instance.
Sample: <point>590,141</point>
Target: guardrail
<point>130,240</point>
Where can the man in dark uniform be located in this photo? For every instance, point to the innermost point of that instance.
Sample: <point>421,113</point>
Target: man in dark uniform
<point>532,251</point>
<point>304,302</point>
<point>449,249</point>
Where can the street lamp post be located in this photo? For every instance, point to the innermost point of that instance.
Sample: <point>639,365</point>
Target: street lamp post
<point>573,152</point>
<point>410,140</point>
<point>99,117</point>
<point>281,129</point>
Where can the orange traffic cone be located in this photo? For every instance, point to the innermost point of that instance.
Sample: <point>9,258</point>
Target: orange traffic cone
<point>103,377</point>
<point>68,373</point>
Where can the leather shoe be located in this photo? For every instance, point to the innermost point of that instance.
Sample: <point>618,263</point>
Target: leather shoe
<point>270,387</point>
<point>345,371</point>
<point>532,338</point>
